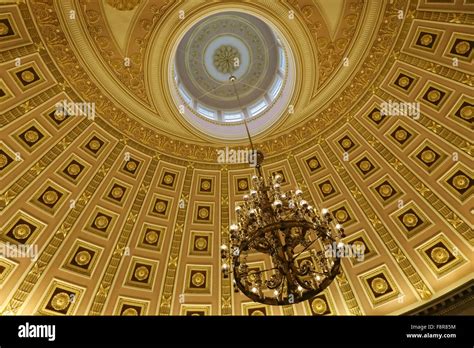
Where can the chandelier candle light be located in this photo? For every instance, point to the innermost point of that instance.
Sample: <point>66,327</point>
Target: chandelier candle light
<point>290,231</point>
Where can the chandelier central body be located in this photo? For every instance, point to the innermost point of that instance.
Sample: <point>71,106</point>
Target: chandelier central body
<point>295,239</point>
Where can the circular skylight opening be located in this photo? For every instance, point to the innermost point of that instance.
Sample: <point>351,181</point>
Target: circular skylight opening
<point>217,47</point>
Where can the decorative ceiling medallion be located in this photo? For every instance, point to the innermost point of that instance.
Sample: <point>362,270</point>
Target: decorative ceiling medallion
<point>131,307</point>
<point>428,156</point>
<point>459,182</point>
<point>365,165</point>
<point>61,299</point>
<point>198,279</point>
<point>101,222</point>
<point>461,46</point>
<point>441,255</point>
<point>226,59</point>
<point>73,169</point>
<point>405,81</point>
<point>82,258</point>
<point>131,166</point>
<point>360,241</point>
<point>117,192</point>
<point>427,39</point>
<point>203,213</point>
<point>434,95</point>
<point>343,214</point>
<point>200,244</point>
<point>255,309</point>
<point>31,136</point>
<point>168,179</point>
<point>313,164</point>
<point>463,111</point>
<point>21,229</point>
<point>94,145</point>
<point>206,185</point>
<point>50,197</point>
<point>141,273</point>
<point>377,117</point>
<point>160,206</point>
<point>410,220</point>
<point>400,134</point>
<point>379,285</point>
<point>151,237</point>
<point>195,310</point>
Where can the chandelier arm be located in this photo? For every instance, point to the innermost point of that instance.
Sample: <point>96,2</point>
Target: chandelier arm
<point>294,257</point>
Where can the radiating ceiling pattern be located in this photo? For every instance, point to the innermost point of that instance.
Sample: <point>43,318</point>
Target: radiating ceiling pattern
<point>128,209</point>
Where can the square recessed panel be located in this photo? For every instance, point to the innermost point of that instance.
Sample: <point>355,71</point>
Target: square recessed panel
<point>31,136</point>
<point>343,214</point>
<point>459,182</point>
<point>255,309</point>
<point>27,75</point>
<point>200,244</point>
<point>313,164</point>
<point>460,46</point>
<point>196,310</point>
<point>203,213</point>
<point>379,285</point>
<point>131,307</point>
<point>463,111</point>
<point>205,185</point>
<point>7,28</point>
<point>365,165</point>
<point>61,298</point>
<point>198,279</point>
<point>73,169</point>
<point>57,117</point>
<point>50,197</point>
<point>141,273</point>
<point>101,222</point>
<point>242,184</point>
<point>427,39</point>
<point>401,135</point>
<point>434,95</point>
<point>131,166</point>
<point>346,143</point>
<point>376,117</point>
<point>428,156</point>
<point>326,188</point>
<point>321,305</point>
<point>168,179</point>
<point>8,159</point>
<point>385,190</point>
<point>94,145</point>
<point>411,220</point>
<point>362,246</point>
<point>160,207</point>
<point>22,229</point>
<point>82,258</point>
<point>151,237</point>
<point>441,255</point>
<point>404,81</point>
<point>117,192</point>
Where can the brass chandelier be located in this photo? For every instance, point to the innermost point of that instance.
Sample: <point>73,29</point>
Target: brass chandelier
<point>299,241</point>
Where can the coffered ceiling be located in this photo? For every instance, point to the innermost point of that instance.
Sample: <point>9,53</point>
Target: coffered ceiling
<point>127,210</point>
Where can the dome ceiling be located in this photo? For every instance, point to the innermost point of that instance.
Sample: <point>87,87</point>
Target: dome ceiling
<point>127,209</point>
